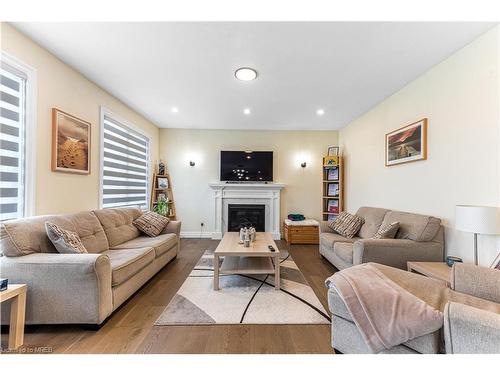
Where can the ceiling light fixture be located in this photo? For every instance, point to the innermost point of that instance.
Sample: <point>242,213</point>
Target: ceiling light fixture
<point>320,112</point>
<point>175,109</point>
<point>247,111</point>
<point>245,74</point>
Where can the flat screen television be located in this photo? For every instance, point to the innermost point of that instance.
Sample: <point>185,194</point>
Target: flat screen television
<point>246,166</point>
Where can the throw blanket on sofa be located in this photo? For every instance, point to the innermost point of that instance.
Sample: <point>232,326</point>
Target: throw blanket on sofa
<point>385,314</point>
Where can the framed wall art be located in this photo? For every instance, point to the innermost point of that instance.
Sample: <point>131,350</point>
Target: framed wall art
<point>406,144</point>
<point>70,143</point>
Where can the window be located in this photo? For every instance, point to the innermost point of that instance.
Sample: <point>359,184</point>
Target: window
<point>16,133</point>
<point>124,164</point>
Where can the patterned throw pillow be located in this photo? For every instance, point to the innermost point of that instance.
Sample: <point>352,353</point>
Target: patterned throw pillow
<point>151,223</point>
<point>388,230</point>
<point>347,224</point>
<point>65,241</point>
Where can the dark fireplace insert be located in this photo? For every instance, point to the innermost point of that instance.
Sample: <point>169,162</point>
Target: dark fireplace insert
<point>245,215</point>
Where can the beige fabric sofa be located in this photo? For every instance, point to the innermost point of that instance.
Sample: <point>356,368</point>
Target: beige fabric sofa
<point>83,288</point>
<point>471,313</point>
<point>419,238</point>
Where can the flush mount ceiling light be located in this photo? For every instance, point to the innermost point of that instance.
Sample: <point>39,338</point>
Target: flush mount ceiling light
<point>247,111</point>
<point>320,112</point>
<point>245,74</point>
<point>175,109</point>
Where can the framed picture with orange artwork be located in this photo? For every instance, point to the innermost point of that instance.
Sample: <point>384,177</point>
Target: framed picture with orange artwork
<point>70,143</point>
<point>406,144</point>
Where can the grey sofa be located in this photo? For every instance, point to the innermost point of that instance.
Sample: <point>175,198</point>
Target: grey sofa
<point>471,313</point>
<point>419,238</point>
<point>83,288</point>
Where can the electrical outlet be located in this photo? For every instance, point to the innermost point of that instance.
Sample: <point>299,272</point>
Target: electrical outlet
<point>202,224</point>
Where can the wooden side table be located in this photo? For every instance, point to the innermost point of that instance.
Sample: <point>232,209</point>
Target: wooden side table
<point>17,294</point>
<point>301,232</point>
<point>436,270</point>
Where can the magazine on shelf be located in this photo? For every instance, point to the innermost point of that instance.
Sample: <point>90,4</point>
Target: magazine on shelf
<point>333,174</point>
<point>333,206</point>
<point>333,190</point>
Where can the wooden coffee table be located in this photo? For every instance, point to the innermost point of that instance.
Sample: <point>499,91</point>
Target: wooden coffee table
<point>435,270</point>
<point>238,259</point>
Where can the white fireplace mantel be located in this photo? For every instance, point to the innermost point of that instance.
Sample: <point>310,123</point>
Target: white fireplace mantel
<point>225,194</point>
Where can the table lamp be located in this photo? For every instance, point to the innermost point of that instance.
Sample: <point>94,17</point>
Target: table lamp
<point>477,220</point>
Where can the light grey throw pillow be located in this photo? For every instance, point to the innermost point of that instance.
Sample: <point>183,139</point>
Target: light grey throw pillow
<point>387,231</point>
<point>65,241</point>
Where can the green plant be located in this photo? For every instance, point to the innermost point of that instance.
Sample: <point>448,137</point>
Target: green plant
<point>161,207</point>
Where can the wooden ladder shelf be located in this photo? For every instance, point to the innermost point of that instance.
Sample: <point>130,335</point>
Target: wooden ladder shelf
<point>156,190</point>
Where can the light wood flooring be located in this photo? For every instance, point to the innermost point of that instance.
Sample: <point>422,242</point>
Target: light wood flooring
<point>130,329</point>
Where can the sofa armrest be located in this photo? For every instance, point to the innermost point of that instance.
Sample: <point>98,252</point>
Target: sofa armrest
<point>396,252</point>
<point>468,330</point>
<point>62,288</point>
<point>173,227</point>
<point>481,282</point>
<point>324,228</point>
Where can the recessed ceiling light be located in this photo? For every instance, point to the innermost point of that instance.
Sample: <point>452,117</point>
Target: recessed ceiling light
<point>175,109</point>
<point>245,74</point>
<point>320,112</point>
<point>246,111</point>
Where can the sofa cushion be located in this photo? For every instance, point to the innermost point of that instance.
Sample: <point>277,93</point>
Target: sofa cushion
<point>387,231</point>
<point>414,227</point>
<point>126,263</point>
<point>65,241</point>
<point>28,235</point>
<point>117,223</point>
<point>329,239</point>
<point>347,224</point>
<point>373,220</point>
<point>151,223</point>
<point>344,251</point>
<point>161,244</point>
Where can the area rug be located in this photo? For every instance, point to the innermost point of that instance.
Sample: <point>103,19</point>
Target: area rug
<point>244,299</point>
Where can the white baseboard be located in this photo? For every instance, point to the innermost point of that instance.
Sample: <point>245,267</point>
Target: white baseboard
<point>196,234</point>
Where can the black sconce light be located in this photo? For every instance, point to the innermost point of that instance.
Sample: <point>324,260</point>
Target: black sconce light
<point>192,163</point>
<point>303,165</point>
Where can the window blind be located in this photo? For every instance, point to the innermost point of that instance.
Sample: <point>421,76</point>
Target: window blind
<point>12,142</point>
<point>125,166</point>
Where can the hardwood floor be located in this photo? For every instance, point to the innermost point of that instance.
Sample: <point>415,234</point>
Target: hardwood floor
<point>130,329</point>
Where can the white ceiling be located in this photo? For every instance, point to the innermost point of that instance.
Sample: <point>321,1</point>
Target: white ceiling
<point>343,67</point>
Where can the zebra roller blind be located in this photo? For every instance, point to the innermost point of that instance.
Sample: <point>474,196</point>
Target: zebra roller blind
<point>125,166</point>
<point>12,142</point>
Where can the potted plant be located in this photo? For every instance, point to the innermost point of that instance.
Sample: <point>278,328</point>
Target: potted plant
<point>161,206</point>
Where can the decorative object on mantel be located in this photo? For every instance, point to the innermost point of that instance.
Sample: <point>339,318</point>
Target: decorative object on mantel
<point>161,168</point>
<point>478,220</point>
<point>70,143</point>
<point>333,194</point>
<point>406,144</point>
<point>162,197</point>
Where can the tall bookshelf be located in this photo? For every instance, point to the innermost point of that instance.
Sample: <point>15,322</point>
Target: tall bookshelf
<point>332,201</point>
<point>156,190</point>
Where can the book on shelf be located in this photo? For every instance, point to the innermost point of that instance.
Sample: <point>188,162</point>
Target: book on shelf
<point>333,190</point>
<point>333,174</point>
<point>333,206</point>
<point>332,217</point>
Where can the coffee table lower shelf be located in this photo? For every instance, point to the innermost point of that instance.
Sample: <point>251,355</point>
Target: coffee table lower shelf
<point>248,265</point>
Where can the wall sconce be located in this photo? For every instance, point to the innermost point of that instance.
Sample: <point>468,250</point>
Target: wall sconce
<point>192,163</point>
<point>303,165</point>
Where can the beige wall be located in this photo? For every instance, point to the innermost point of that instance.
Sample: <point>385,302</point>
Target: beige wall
<point>62,87</point>
<point>460,97</point>
<point>192,193</point>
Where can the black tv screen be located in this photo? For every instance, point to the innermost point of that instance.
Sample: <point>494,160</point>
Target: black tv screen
<point>246,166</point>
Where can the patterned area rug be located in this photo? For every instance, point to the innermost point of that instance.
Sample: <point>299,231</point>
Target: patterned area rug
<point>244,299</point>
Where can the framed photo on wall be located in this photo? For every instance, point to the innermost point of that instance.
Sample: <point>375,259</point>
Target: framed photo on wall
<point>70,143</point>
<point>406,144</point>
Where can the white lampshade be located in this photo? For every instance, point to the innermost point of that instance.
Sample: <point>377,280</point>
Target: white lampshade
<point>478,219</point>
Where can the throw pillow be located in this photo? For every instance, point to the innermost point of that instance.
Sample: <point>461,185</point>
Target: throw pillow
<point>347,224</point>
<point>151,223</point>
<point>65,241</point>
<point>388,230</point>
